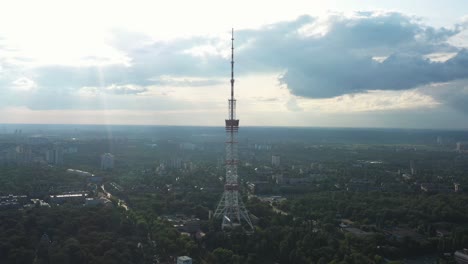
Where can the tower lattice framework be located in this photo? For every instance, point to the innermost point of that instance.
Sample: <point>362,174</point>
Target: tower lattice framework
<point>230,207</point>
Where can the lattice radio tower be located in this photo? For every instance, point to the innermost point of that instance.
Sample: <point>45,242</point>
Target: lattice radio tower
<point>230,207</point>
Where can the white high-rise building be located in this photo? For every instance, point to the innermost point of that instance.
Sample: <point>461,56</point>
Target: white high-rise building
<point>107,161</point>
<point>55,155</point>
<point>184,260</point>
<point>275,160</point>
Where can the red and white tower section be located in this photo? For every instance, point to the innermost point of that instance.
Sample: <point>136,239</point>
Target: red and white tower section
<point>230,207</point>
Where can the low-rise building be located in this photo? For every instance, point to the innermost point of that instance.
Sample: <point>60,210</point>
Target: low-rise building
<point>94,179</point>
<point>14,198</point>
<point>9,205</point>
<point>73,198</point>
<point>461,256</point>
<point>435,188</point>
<point>80,173</point>
<point>259,187</point>
<point>184,260</point>
<point>96,201</point>
<point>356,231</point>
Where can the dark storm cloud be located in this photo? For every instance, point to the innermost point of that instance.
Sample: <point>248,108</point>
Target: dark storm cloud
<point>341,61</point>
<point>397,72</point>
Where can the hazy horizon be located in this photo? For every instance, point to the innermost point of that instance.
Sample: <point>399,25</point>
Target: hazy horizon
<point>246,126</point>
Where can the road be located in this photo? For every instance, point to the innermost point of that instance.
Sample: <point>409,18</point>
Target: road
<point>270,202</point>
<point>120,202</point>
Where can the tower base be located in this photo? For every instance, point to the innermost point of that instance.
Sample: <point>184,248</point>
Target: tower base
<point>232,210</point>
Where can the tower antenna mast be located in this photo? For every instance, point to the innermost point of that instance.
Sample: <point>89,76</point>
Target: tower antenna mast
<point>230,207</point>
<point>232,67</point>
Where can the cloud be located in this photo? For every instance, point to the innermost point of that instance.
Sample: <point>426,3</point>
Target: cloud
<point>341,58</point>
<point>452,94</point>
<point>24,84</point>
<point>373,101</point>
<point>88,91</point>
<point>397,72</point>
<point>185,81</point>
<point>320,58</point>
<point>125,89</point>
<point>292,105</point>
<point>94,98</point>
<point>155,63</point>
<point>266,99</point>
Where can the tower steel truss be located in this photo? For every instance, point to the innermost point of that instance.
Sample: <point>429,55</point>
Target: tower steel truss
<point>230,207</point>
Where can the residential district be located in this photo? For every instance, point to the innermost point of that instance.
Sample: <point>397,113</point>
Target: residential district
<point>80,194</point>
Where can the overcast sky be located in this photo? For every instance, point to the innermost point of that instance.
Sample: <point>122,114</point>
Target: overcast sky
<point>298,63</point>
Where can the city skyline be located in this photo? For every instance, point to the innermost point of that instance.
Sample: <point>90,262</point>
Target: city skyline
<point>340,64</point>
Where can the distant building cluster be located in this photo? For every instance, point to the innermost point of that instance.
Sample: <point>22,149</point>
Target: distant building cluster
<point>35,150</point>
<point>21,155</point>
<point>187,146</point>
<point>439,188</point>
<point>462,147</point>
<point>19,201</point>
<point>12,201</point>
<point>174,163</point>
<point>262,146</point>
<point>80,198</point>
